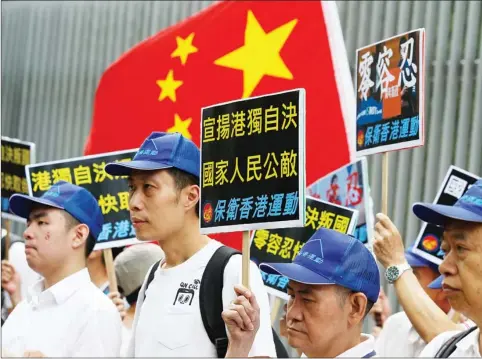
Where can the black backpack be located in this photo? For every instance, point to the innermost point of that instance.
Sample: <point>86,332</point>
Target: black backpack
<point>211,301</point>
<point>449,347</point>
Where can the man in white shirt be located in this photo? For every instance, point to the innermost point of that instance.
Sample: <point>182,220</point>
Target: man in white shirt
<point>64,314</point>
<point>164,206</point>
<point>333,283</point>
<point>461,269</point>
<point>398,338</point>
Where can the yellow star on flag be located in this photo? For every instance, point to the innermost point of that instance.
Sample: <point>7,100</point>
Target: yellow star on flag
<point>260,55</point>
<point>168,87</point>
<point>184,48</point>
<point>181,126</point>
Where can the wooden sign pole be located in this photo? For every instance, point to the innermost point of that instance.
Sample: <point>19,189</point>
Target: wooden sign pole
<point>378,316</point>
<point>7,238</point>
<point>246,259</point>
<point>385,183</point>
<point>109,265</point>
<point>276,307</point>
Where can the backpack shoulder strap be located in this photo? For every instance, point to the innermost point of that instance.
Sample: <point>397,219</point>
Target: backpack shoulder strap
<point>151,276</point>
<point>449,346</point>
<point>211,298</point>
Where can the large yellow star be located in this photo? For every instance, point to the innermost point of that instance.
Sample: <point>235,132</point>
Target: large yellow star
<point>168,87</point>
<point>260,54</point>
<point>184,48</point>
<point>181,126</point>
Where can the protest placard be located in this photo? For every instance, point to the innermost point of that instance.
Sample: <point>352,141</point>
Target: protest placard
<point>111,192</point>
<point>390,94</point>
<point>253,166</point>
<point>16,154</point>
<point>283,244</point>
<point>348,186</point>
<point>252,162</point>
<point>456,182</point>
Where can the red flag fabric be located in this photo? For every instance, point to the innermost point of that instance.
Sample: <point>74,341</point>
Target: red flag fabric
<point>232,50</point>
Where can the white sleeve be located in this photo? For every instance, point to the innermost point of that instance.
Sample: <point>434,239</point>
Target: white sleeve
<point>433,347</point>
<point>101,335</point>
<point>263,343</point>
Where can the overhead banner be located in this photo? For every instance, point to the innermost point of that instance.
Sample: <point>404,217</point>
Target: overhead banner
<point>390,94</point>
<point>111,192</point>
<point>348,186</point>
<point>253,163</point>
<point>281,245</point>
<point>456,182</point>
<point>16,154</point>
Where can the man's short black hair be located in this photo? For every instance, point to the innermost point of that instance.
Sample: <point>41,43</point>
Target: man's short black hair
<point>72,222</point>
<point>343,294</point>
<point>183,179</point>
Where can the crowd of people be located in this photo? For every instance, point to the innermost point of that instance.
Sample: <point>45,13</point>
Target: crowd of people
<point>58,303</point>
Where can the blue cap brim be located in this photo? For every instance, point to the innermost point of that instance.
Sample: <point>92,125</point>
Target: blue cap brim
<point>125,168</point>
<point>438,214</point>
<point>21,204</point>
<point>295,272</point>
<point>437,283</point>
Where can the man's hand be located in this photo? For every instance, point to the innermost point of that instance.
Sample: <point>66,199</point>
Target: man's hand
<point>11,282</point>
<point>33,354</point>
<point>388,244</point>
<point>119,303</point>
<point>242,321</point>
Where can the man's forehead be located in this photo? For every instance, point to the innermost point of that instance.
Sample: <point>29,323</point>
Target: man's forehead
<point>41,210</point>
<point>307,288</point>
<point>458,230</point>
<point>143,175</point>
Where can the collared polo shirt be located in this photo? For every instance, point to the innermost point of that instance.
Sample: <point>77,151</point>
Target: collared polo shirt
<point>73,318</point>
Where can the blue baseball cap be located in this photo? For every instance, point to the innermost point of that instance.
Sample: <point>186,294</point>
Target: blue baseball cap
<point>417,261</point>
<point>331,257</point>
<point>467,208</point>
<point>437,283</point>
<point>159,151</point>
<point>75,200</point>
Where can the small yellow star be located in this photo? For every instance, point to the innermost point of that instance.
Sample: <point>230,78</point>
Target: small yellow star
<point>181,126</point>
<point>168,87</point>
<point>184,48</point>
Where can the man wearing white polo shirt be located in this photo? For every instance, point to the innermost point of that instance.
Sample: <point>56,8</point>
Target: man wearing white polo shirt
<point>461,269</point>
<point>398,338</point>
<point>333,284</point>
<point>64,314</point>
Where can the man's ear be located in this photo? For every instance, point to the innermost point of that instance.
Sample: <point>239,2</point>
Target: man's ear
<point>191,197</point>
<point>358,304</point>
<point>81,233</point>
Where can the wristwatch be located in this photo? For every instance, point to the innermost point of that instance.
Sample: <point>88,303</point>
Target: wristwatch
<point>394,272</point>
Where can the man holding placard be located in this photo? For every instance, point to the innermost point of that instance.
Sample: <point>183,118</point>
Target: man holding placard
<point>163,202</point>
<point>64,314</point>
<point>462,245</point>
<point>333,283</point>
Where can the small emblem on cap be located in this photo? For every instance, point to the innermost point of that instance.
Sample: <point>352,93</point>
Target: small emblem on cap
<point>53,191</point>
<point>208,212</point>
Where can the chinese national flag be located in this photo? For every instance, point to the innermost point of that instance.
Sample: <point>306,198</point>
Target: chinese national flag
<point>232,50</point>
